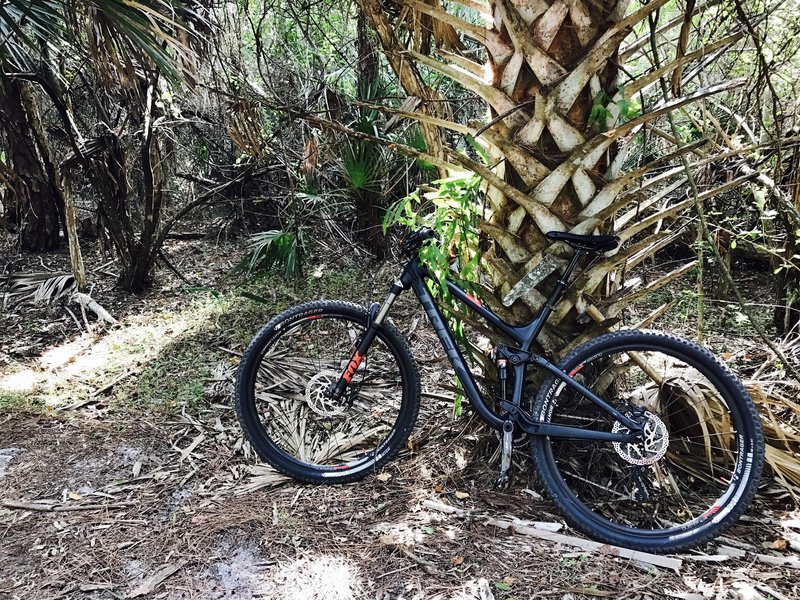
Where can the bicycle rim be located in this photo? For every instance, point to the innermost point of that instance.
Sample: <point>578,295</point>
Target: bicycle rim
<point>695,465</point>
<point>291,389</point>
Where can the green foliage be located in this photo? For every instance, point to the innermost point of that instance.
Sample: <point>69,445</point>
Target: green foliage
<point>600,116</point>
<point>362,167</point>
<point>628,109</point>
<point>416,141</point>
<point>273,250</point>
<point>13,401</point>
<point>451,209</point>
<point>129,31</point>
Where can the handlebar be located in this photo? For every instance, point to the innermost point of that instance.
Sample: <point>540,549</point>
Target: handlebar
<point>414,240</point>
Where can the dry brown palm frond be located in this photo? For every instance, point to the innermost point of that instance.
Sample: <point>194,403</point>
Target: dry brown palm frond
<point>426,28</point>
<point>780,418</point>
<point>694,406</point>
<point>310,161</point>
<point>125,39</point>
<point>39,288</point>
<point>244,125</point>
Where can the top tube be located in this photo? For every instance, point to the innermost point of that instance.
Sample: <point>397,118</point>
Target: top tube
<point>524,335</point>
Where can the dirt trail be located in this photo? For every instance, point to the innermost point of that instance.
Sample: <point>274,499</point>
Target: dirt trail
<point>173,527</point>
<point>123,474</point>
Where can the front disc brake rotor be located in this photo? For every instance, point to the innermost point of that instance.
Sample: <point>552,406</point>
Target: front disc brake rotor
<point>318,395</point>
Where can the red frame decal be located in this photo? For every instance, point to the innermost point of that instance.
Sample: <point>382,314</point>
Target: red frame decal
<point>575,371</point>
<point>474,299</point>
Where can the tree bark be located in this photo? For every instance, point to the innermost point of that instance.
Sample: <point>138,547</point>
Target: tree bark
<point>33,202</point>
<point>787,269</point>
<point>556,131</point>
<point>407,73</point>
<point>369,202</point>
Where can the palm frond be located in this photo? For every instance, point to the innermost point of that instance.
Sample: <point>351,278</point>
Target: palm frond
<point>39,288</point>
<point>273,249</point>
<point>121,35</point>
<point>24,26</point>
<point>244,122</point>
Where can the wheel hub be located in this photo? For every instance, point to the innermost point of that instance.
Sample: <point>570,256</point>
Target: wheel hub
<point>651,448</point>
<point>318,396</point>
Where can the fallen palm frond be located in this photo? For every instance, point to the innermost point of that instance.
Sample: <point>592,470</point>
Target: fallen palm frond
<point>780,417</point>
<point>39,288</point>
<point>47,288</point>
<point>699,407</point>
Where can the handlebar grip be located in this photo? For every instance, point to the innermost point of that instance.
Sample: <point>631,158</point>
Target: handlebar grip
<point>426,233</point>
<point>415,239</point>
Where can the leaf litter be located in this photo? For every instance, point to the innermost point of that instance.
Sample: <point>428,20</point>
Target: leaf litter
<point>118,505</point>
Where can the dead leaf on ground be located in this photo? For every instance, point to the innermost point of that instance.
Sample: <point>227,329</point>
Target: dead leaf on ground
<point>152,582</point>
<point>780,544</point>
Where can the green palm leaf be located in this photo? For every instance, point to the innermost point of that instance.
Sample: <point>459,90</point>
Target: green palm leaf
<point>125,33</point>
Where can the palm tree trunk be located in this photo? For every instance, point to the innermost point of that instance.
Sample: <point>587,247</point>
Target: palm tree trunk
<point>556,64</point>
<point>34,202</point>
<point>556,130</point>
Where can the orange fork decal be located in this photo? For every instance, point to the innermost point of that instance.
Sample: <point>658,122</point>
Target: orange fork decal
<point>352,366</point>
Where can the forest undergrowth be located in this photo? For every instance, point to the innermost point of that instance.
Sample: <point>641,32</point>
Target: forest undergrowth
<point>123,472</point>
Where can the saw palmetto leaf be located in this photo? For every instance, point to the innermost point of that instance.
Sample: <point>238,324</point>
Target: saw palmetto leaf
<point>24,26</point>
<point>125,34</point>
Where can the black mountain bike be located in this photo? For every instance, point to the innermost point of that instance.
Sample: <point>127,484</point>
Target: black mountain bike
<point>643,439</point>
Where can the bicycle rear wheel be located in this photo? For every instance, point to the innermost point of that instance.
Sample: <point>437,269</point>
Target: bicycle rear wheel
<point>283,394</point>
<point>696,470</point>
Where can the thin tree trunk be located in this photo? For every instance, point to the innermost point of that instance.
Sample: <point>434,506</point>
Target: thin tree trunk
<point>369,203</point>
<point>60,187</point>
<point>787,270</point>
<point>144,254</point>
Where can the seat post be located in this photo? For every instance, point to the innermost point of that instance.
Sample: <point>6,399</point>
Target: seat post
<point>563,280</point>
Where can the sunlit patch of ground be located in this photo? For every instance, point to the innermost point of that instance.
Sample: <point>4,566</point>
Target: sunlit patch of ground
<point>92,364</point>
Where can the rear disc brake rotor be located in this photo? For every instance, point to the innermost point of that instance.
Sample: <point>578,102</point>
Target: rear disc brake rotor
<point>651,448</point>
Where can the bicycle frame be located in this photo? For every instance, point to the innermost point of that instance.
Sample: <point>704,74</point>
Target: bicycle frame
<point>414,277</point>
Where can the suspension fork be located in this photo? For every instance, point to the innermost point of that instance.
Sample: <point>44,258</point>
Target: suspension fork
<point>376,316</point>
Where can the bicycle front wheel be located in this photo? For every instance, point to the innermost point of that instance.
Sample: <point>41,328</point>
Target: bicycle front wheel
<point>692,475</point>
<point>283,395</point>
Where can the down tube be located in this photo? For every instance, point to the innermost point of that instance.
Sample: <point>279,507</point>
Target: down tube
<point>454,353</point>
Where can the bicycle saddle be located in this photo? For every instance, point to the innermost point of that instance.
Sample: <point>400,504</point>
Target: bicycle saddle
<point>590,243</point>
